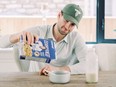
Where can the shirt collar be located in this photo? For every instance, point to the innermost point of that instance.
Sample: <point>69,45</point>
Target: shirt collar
<point>65,39</point>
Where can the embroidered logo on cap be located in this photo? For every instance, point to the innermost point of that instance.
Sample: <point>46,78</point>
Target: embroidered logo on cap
<point>77,12</point>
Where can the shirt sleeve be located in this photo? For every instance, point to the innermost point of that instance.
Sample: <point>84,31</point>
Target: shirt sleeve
<point>41,31</point>
<point>4,41</point>
<point>80,52</point>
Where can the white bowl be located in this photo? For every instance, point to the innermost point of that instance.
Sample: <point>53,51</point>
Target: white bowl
<point>59,76</point>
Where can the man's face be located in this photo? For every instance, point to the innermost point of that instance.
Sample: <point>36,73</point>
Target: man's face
<point>64,26</point>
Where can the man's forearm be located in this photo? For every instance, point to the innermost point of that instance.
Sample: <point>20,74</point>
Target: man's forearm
<point>65,68</point>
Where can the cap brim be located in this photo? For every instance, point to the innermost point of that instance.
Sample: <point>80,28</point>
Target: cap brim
<point>70,18</point>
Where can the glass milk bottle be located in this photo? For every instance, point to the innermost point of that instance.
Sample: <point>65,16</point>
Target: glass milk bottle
<point>91,66</point>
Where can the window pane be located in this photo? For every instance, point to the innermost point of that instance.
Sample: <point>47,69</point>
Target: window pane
<point>110,19</point>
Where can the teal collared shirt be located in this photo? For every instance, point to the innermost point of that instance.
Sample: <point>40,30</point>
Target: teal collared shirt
<point>70,51</point>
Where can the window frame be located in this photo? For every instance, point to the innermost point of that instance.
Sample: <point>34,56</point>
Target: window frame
<point>100,24</point>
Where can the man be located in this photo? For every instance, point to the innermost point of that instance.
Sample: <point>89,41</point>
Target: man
<point>70,47</point>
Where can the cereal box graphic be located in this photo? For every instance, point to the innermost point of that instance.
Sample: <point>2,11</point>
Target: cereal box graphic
<point>42,50</point>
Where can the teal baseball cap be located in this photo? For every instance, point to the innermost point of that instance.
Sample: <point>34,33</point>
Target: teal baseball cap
<point>73,13</point>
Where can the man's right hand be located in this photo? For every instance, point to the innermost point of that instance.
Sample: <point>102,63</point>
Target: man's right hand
<point>27,37</point>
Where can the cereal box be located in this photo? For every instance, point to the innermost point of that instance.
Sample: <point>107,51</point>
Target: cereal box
<point>42,50</point>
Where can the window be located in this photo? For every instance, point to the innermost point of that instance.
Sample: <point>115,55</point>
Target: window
<point>110,19</point>
<point>106,21</point>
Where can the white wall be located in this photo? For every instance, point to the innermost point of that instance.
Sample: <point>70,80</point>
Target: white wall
<point>33,7</point>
